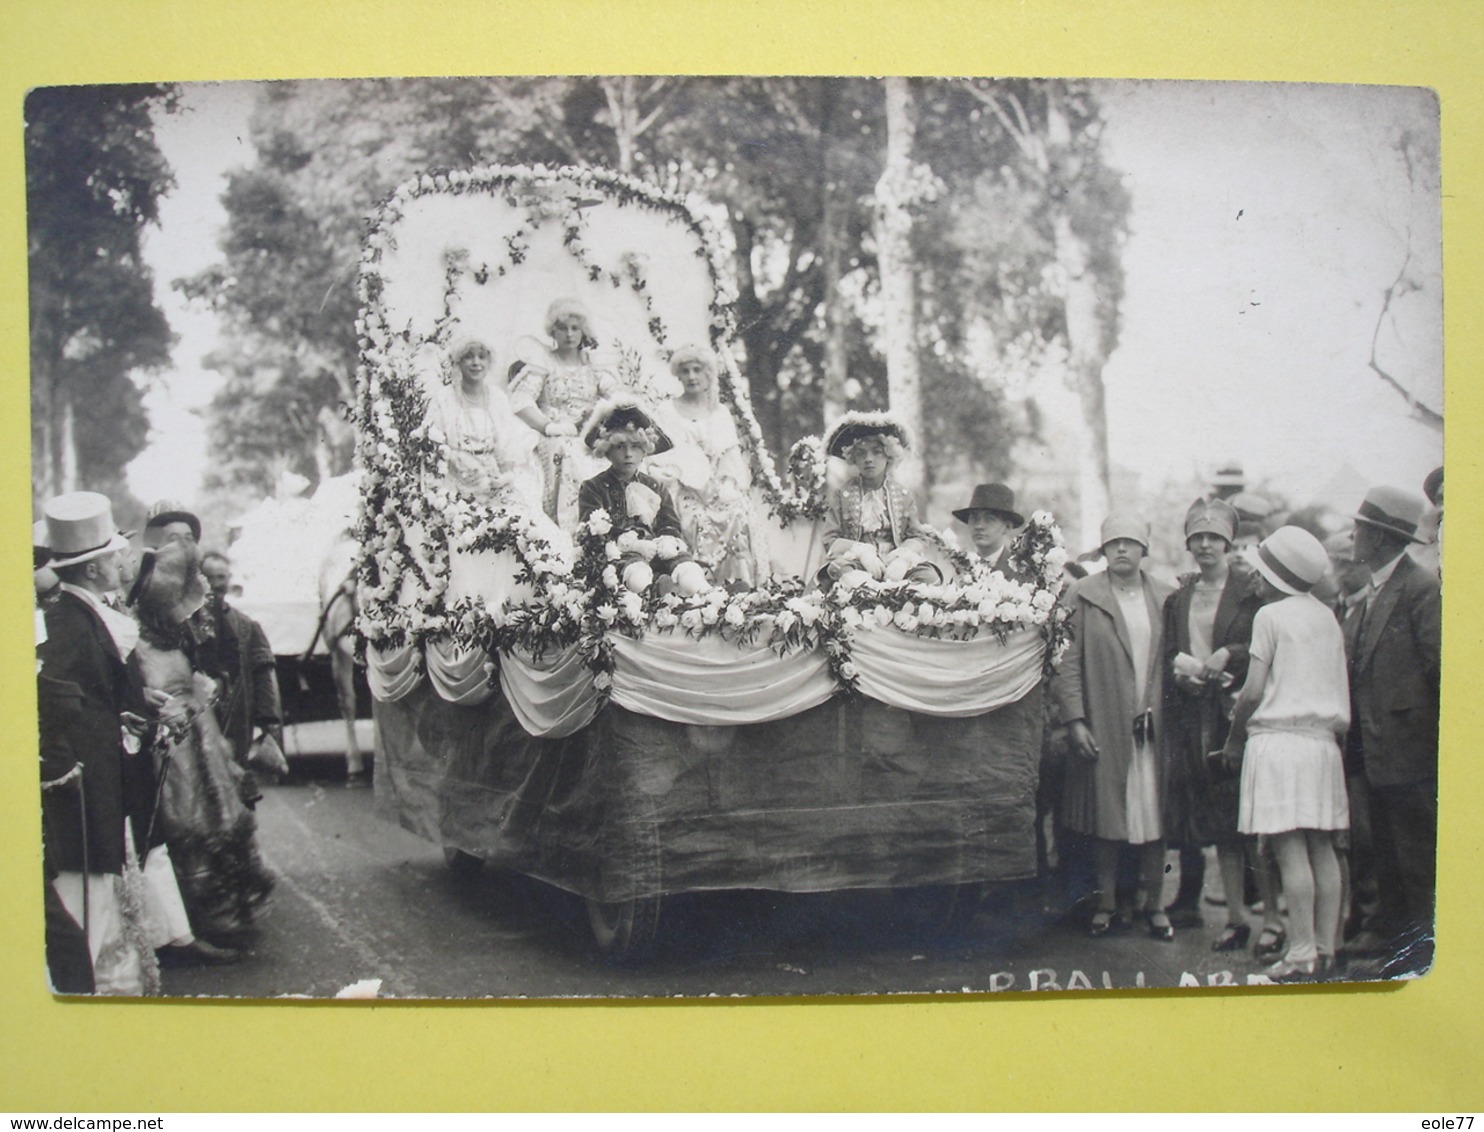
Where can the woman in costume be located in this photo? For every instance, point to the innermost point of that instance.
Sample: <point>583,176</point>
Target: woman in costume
<point>707,471</point>
<point>871,523</point>
<point>210,831</point>
<point>490,454</point>
<point>553,392</point>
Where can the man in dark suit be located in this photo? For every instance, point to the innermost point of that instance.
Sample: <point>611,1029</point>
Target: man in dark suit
<point>93,710</point>
<point>1393,642</point>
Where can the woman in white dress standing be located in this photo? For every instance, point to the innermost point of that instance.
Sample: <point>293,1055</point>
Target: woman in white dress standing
<point>1287,729</point>
<point>554,391</point>
<point>707,471</point>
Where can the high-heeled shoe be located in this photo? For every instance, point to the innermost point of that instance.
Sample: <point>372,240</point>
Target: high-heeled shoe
<point>1160,927</point>
<point>1233,937</point>
<point>1287,971</point>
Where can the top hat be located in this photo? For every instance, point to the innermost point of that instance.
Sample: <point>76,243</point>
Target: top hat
<point>80,528</point>
<point>998,499</point>
<point>610,418</point>
<point>1211,517</point>
<point>858,426</point>
<point>1392,509</point>
<point>1291,558</point>
<point>1125,525</point>
<point>166,511</point>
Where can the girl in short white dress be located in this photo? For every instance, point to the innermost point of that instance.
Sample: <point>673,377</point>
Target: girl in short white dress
<point>1291,717</point>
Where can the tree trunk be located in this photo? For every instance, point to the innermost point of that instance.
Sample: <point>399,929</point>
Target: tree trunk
<point>835,215</point>
<point>898,280</point>
<point>623,113</point>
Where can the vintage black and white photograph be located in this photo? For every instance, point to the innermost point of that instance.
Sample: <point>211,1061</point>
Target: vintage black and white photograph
<point>734,536</point>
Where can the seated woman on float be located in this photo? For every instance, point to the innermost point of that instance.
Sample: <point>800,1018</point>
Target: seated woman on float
<point>871,524</point>
<point>646,525</point>
<point>491,457</point>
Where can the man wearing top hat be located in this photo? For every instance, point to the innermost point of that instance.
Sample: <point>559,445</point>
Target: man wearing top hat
<point>1393,643</point>
<point>94,716</point>
<point>992,521</point>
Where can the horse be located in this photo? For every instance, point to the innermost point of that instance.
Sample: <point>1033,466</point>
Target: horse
<point>337,620</point>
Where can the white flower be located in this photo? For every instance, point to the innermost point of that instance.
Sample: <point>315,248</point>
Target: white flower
<point>851,617</point>
<point>786,620</point>
<point>709,614</point>
<point>881,614</point>
<point>904,620</point>
<point>848,671</point>
<point>607,613</point>
<point>610,577</point>
<point>734,615</point>
<point>690,620</point>
<point>632,606</point>
<point>599,522</point>
<point>626,541</point>
<point>603,681</point>
<point>611,552</point>
<point>664,618</point>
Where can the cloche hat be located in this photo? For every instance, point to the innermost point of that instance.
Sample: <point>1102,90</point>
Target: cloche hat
<point>1123,524</point>
<point>1211,517</point>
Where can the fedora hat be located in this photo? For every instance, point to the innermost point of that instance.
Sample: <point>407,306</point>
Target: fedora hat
<point>996,498</point>
<point>1211,517</point>
<point>1392,509</point>
<point>1291,558</point>
<point>859,426</point>
<point>167,511</point>
<point>613,417</point>
<point>80,528</point>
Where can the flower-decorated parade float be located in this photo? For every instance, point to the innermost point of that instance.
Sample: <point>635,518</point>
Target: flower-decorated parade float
<point>550,695</point>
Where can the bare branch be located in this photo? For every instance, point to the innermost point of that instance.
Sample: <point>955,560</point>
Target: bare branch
<point>1399,286</point>
<point>1018,133</point>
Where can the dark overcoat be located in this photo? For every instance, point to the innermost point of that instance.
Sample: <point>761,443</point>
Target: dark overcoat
<point>1094,682</point>
<point>80,720</point>
<point>1394,652</point>
<point>1201,802</point>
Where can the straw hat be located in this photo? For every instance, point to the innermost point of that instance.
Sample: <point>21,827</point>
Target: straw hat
<point>167,511</point>
<point>1291,559</point>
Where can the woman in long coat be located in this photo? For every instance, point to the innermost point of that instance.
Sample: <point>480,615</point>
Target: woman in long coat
<point>1107,691</point>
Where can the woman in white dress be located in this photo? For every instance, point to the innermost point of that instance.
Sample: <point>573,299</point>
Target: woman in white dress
<point>491,455</point>
<point>707,472</point>
<point>554,391</point>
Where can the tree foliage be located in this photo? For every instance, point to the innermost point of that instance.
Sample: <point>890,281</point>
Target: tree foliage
<point>94,178</point>
<point>791,166</point>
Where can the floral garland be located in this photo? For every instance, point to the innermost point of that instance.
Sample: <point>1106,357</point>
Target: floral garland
<point>411,522</point>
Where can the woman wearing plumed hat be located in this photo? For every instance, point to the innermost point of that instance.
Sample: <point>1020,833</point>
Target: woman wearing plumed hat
<point>1107,691</point>
<point>1207,629</point>
<point>871,523</point>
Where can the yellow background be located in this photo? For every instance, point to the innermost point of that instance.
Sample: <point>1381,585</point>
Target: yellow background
<point>1412,1047</point>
